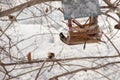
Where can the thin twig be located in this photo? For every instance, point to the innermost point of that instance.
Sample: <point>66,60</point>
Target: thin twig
<point>83,69</point>
<point>40,70</point>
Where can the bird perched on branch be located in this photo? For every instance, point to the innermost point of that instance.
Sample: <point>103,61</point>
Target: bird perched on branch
<point>62,37</point>
<point>51,55</point>
<point>117,26</point>
<point>12,18</point>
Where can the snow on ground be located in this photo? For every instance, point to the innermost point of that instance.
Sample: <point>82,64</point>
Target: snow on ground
<point>38,40</point>
<point>45,42</point>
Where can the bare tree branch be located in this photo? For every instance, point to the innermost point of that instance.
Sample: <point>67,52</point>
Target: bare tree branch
<point>67,59</point>
<point>85,69</point>
<point>34,2</point>
<point>23,6</point>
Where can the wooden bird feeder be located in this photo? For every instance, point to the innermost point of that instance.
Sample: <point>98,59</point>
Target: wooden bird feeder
<point>86,33</point>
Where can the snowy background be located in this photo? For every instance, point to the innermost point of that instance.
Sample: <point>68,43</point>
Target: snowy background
<point>40,35</point>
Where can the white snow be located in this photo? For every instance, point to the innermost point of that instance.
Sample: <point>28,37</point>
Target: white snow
<point>39,40</point>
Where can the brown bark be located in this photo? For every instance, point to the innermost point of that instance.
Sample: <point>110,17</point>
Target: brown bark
<point>23,6</point>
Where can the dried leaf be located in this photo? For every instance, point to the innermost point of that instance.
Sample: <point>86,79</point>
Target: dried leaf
<point>29,56</point>
<point>46,10</point>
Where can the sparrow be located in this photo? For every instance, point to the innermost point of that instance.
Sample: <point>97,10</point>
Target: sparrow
<point>117,26</point>
<point>12,18</point>
<point>51,55</point>
<point>62,37</point>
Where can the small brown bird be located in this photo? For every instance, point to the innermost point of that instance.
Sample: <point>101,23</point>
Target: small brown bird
<point>51,55</point>
<point>62,37</point>
<point>29,56</point>
<point>117,26</point>
<point>12,18</point>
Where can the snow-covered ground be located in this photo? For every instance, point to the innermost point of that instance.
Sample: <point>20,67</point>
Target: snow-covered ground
<point>39,39</point>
